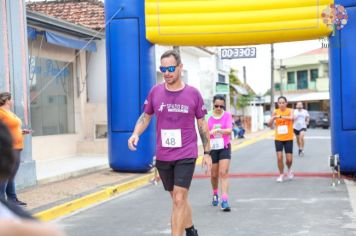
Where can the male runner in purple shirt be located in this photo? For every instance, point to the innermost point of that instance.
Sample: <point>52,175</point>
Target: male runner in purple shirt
<point>176,106</point>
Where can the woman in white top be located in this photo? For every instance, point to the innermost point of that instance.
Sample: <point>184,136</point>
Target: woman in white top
<point>301,121</point>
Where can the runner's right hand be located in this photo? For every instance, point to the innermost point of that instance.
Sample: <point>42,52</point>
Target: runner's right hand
<point>132,142</point>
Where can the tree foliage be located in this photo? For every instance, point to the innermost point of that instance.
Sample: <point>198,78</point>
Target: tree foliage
<point>242,100</point>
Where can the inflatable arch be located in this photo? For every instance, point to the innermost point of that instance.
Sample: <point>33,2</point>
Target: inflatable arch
<point>134,26</point>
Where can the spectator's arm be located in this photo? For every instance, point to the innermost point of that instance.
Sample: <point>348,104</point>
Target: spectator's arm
<point>27,228</point>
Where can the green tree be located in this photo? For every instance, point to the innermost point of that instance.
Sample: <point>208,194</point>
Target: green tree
<point>267,93</point>
<point>242,101</point>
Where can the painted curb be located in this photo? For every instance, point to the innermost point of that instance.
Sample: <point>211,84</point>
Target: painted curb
<point>69,207</point>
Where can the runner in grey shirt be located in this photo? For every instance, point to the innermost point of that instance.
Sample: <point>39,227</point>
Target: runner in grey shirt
<point>301,121</point>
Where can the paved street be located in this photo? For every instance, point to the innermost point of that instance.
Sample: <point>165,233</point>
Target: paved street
<point>260,206</point>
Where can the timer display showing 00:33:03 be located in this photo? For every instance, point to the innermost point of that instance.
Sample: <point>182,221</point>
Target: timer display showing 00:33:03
<point>231,53</point>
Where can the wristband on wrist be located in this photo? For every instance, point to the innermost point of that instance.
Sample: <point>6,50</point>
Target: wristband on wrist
<point>206,152</point>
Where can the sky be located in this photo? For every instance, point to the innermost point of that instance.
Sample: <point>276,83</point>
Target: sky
<point>258,70</point>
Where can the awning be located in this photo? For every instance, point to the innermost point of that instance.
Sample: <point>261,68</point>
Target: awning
<point>31,33</point>
<point>239,89</point>
<point>304,97</point>
<point>62,40</point>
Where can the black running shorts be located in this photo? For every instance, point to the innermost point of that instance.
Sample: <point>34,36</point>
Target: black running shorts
<point>297,132</point>
<point>179,173</point>
<point>217,155</point>
<point>286,145</point>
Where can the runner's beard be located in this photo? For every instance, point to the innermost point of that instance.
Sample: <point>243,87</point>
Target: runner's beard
<point>171,80</point>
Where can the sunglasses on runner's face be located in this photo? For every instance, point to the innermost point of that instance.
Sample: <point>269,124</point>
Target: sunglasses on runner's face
<point>163,69</point>
<point>219,106</point>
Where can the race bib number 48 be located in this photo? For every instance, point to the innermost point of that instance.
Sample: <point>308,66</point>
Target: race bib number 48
<point>171,138</point>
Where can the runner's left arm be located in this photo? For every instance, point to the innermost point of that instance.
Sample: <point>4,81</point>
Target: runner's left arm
<point>290,117</point>
<point>307,118</point>
<point>205,138</point>
<point>223,131</point>
<point>204,134</point>
<point>227,125</point>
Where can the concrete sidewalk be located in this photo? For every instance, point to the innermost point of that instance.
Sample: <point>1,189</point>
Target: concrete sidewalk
<point>68,167</point>
<point>64,180</point>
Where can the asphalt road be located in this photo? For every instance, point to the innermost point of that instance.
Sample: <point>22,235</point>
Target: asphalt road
<point>260,206</point>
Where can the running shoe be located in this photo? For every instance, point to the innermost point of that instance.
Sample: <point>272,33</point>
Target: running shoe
<point>192,232</point>
<point>290,174</point>
<point>280,179</point>
<point>225,206</point>
<point>301,153</point>
<point>215,201</point>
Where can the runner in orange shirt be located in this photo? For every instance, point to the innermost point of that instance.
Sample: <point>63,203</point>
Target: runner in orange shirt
<point>14,124</point>
<point>283,119</point>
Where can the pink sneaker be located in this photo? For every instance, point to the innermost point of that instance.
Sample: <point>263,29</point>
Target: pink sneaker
<point>290,175</point>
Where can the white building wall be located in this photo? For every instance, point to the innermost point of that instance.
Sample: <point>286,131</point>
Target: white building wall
<point>256,114</point>
<point>96,79</point>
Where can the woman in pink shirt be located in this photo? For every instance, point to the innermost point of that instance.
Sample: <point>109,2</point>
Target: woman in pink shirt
<point>220,127</point>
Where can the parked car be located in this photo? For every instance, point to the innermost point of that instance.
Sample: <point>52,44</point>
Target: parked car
<point>319,119</point>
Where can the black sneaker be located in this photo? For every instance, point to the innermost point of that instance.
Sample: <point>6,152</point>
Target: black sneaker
<point>299,152</point>
<point>16,201</point>
<point>191,231</point>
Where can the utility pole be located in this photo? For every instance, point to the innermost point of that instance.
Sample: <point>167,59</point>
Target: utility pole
<point>244,74</point>
<point>272,77</point>
<point>176,48</point>
<point>282,70</point>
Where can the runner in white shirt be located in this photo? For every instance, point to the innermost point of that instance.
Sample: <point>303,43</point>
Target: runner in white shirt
<point>301,121</point>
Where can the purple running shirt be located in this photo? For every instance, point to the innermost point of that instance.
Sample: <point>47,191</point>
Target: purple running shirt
<point>176,112</point>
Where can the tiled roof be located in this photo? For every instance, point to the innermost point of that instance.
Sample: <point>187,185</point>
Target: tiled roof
<point>89,13</point>
<point>315,51</point>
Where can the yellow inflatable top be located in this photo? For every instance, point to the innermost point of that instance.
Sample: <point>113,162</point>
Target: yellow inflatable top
<point>233,22</point>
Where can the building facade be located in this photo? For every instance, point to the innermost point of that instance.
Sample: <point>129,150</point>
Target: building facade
<point>79,118</point>
<point>304,78</point>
